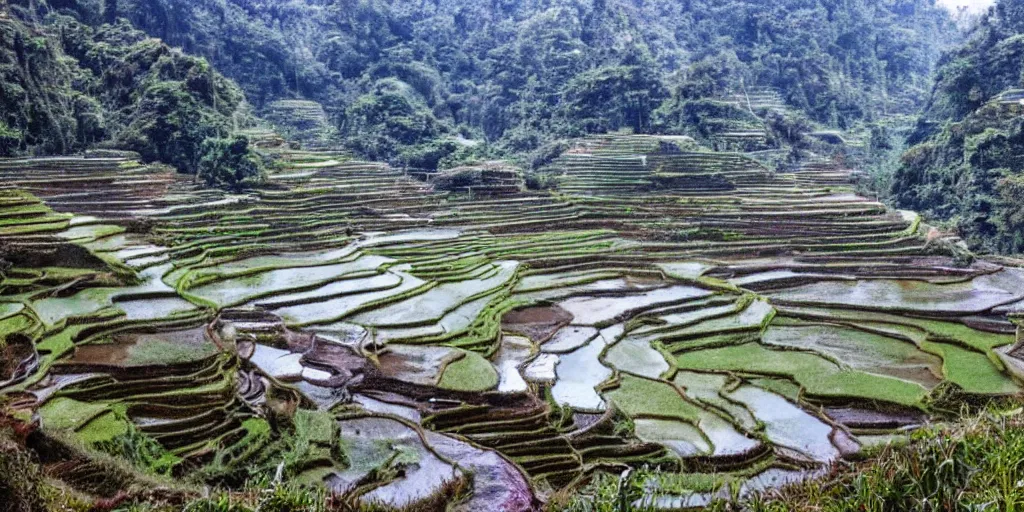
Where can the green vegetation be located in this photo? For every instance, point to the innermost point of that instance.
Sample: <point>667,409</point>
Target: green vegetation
<point>653,399</point>
<point>513,76</point>
<point>152,352</point>
<point>963,166</point>
<point>971,464</point>
<point>229,163</point>
<point>470,373</point>
<point>140,450</point>
<point>818,376</point>
<point>28,488</point>
<point>70,86</point>
<point>608,255</point>
<point>261,496</point>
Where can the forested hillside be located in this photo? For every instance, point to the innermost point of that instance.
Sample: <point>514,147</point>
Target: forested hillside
<point>69,86</point>
<point>965,164</point>
<point>411,78</point>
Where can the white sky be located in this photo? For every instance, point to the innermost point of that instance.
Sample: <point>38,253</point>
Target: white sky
<point>974,5</point>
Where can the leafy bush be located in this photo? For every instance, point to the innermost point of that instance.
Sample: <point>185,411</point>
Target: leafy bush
<point>230,163</point>
<point>456,179</point>
<point>140,450</point>
<point>171,127</point>
<point>429,155</point>
<point>390,118</point>
<point>9,140</point>
<point>539,181</point>
<point>547,153</point>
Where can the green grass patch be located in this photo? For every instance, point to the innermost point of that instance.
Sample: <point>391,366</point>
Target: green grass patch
<point>156,351</point>
<point>818,376</point>
<point>472,372</point>
<point>104,428</point>
<point>68,414</point>
<point>972,371</point>
<point>639,397</point>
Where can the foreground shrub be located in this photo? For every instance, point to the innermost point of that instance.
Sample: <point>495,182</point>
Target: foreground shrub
<point>21,481</point>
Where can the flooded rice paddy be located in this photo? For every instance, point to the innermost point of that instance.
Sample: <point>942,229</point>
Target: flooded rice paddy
<point>386,345</point>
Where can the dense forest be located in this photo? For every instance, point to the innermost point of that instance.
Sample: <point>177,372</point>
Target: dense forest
<point>394,75</point>
<point>68,86</point>
<point>964,164</point>
<point>402,78</point>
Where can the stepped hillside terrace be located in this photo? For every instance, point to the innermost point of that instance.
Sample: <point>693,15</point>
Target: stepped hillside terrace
<point>698,317</point>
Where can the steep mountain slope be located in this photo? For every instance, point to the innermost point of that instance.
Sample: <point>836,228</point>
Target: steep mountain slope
<point>965,165</point>
<point>69,86</point>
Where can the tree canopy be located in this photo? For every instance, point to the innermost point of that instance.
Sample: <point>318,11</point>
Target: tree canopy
<point>517,74</point>
<point>964,164</point>
<point>69,86</point>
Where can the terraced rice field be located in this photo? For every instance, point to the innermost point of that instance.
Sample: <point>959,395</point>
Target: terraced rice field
<point>690,313</point>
